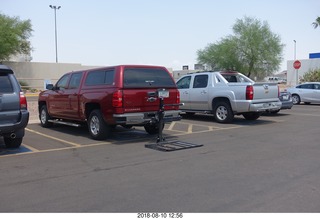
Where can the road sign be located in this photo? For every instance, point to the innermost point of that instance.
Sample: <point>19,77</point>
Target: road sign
<point>297,64</point>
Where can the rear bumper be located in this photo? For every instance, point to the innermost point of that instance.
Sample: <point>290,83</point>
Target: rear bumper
<point>262,107</point>
<point>287,105</point>
<point>145,117</point>
<point>7,129</point>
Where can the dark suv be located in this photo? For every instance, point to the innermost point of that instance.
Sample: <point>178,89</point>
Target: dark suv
<point>14,115</point>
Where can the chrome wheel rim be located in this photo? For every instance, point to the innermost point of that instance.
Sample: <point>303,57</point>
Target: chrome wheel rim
<point>222,113</point>
<point>43,117</point>
<point>94,125</point>
<point>295,99</point>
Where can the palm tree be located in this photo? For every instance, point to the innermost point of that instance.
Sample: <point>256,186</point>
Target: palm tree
<point>316,23</point>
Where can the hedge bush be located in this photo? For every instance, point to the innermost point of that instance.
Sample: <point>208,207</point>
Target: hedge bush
<point>311,76</point>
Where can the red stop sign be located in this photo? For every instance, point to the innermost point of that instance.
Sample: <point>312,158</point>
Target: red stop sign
<point>297,64</point>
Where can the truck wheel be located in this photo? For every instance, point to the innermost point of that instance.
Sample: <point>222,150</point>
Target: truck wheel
<point>98,129</point>
<point>251,116</point>
<point>44,117</point>
<point>222,112</point>
<point>127,126</point>
<point>152,129</point>
<point>12,142</point>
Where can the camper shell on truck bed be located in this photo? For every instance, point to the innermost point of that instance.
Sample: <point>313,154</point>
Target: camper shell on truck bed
<point>104,97</point>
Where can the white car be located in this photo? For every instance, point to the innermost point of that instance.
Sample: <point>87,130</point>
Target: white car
<point>306,92</point>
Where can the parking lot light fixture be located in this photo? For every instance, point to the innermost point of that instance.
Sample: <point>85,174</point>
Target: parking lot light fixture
<point>55,27</point>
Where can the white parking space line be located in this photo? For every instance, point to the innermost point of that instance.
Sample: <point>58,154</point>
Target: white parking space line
<point>209,130</point>
<point>30,148</point>
<point>180,128</point>
<point>187,123</point>
<point>56,139</point>
<point>190,128</point>
<point>95,144</point>
<point>171,126</point>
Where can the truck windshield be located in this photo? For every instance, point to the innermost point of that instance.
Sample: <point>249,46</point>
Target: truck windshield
<point>147,77</point>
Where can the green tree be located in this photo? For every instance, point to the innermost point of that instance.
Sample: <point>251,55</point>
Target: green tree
<point>253,49</point>
<point>14,35</point>
<point>220,55</point>
<point>311,76</point>
<point>316,24</point>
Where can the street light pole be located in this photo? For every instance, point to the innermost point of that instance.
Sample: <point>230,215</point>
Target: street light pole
<point>295,49</point>
<point>295,58</point>
<point>55,27</point>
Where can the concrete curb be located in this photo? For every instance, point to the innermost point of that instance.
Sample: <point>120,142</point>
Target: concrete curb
<point>31,94</point>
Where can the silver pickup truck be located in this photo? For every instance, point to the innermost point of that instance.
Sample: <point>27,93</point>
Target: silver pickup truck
<point>225,94</point>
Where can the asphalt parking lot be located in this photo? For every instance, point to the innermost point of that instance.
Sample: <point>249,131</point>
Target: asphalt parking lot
<point>268,165</point>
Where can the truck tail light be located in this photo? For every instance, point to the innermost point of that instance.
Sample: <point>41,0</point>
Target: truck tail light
<point>249,92</point>
<point>117,99</point>
<point>178,97</point>
<point>23,101</point>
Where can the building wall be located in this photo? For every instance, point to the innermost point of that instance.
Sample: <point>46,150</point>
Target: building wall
<point>179,73</point>
<point>36,73</point>
<point>306,65</point>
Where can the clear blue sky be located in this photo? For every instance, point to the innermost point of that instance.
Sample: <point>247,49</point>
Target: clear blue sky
<point>162,32</point>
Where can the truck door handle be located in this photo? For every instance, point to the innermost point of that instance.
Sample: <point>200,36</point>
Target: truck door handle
<point>203,92</point>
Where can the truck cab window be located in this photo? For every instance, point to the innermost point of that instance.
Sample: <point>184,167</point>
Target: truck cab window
<point>200,81</point>
<point>184,83</point>
<point>63,82</point>
<point>75,80</point>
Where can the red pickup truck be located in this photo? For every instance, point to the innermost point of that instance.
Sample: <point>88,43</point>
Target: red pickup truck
<point>124,95</point>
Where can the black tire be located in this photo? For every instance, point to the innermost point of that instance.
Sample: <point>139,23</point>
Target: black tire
<point>222,112</point>
<point>152,129</point>
<point>251,116</point>
<point>12,142</point>
<point>296,99</point>
<point>98,129</point>
<point>44,117</point>
<point>127,126</point>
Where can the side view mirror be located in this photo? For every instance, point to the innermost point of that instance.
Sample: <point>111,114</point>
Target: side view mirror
<point>49,86</point>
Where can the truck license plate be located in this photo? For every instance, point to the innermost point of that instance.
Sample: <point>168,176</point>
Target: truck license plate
<point>163,93</point>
